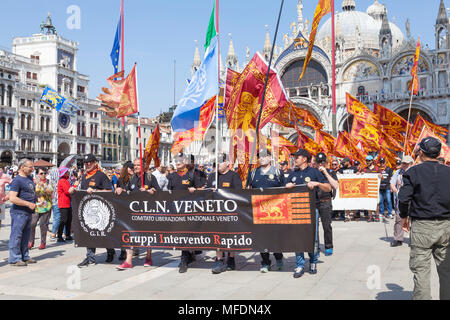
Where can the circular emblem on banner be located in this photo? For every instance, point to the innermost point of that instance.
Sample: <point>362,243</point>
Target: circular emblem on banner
<point>294,179</point>
<point>271,177</point>
<point>96,215</point>
<point>307,179</point>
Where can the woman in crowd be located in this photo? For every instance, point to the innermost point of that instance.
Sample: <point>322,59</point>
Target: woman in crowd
<point>65,191</point>
<point>44,192</point>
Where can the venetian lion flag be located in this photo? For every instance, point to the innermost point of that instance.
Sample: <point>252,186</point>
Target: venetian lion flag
<point>326,141</point>
<point>428,132</point>
<point>151,151</point>
<point>389,119</point>
<point>345,147</point>
<point>322,9</point>
<point>419,124</point>
<point>360,111</point>
<point>366,133</point>
<point>121,100</point>
<point>414,85</point>
<point>309,144</point>
<point>357,192</point>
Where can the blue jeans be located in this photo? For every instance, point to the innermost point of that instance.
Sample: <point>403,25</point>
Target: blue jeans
<point>313,256</point>
<point>56,218</point>
<point>385,194</point>
<point>20,236</point>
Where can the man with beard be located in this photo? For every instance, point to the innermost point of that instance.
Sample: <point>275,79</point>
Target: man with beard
<point>94,180</point>
<point>227,179</point>
<point>183,179</point>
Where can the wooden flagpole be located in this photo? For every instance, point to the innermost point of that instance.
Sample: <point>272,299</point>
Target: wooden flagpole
<point>409,115</point>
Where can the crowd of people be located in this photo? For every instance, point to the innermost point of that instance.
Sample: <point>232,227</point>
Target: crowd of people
<point>37,195</point>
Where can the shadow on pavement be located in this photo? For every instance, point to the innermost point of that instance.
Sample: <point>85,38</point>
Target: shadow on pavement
<point>396,293</point>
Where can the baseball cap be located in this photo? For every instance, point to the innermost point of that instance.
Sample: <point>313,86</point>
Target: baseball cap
<point>430,146</point>
<point>62,171</point>
<point>369,158</point>
<point>407,159</point>
<point>302,152</point>
<point>89,158</point>
<point>321,157</point>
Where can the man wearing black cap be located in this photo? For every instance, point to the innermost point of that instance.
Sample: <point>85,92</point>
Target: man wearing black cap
<point>314,179</point>
<point>325,207</point>
<point>284,167</point>
<point>267,176</point>
<point>94,180</point>
<point>425,199</point>
<point>183,179</point>
<point>227,179</point>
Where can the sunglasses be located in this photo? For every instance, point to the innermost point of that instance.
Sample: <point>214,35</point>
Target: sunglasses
<point>41,173</point>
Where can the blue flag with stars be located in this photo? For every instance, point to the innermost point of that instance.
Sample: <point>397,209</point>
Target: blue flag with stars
<point>116,47</point>
<point>55,100</point>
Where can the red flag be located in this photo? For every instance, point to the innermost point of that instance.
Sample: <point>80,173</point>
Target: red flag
<point>128,101</point>
<point>366,133</point>
<point>151,151</point>
<point>308,144</point>
<point>326,141</point>
<point>389,119</point>
<point>414,85</point>
<point>361,112</point>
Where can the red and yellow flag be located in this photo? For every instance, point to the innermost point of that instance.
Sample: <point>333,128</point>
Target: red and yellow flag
<point>309,144</point>
<point>387,141</point>
<point>366,133</point>
<point>389,119</point>
<point>345,147</point>
<point>428,132</point>
<point>185,138</point>
<point>419,124</point>
<point>151,151</point>
<point>326,141</point>
<point>414,85</point>
<point>322,9</point>
<point>361,112</point>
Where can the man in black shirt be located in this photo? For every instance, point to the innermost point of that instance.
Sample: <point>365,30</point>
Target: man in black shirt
<point>183,179</point>
<point>325,202</point>
<point>267,176</point>
<point>94,180</point>
<point>425,198</point>
<point>347,168</point>
<point>200,174</point>
<point>385,187</point>
<point>227,179</point>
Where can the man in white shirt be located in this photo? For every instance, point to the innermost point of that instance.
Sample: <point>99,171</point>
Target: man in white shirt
<point>160,176</point>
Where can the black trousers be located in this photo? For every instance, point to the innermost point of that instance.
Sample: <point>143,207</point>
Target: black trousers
<point>325,210</point>
<point>66,221</point>
<point>265,256</point>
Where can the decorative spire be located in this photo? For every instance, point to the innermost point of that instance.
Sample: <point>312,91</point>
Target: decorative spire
<point>231,60</point>
<point>300,15</point>
<point>385,27</point>
<point>267,45</point>
<point>348,5</point>
<point>442,14</point>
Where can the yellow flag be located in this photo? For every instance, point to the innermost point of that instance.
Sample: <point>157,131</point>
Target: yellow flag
<point>322,9</point>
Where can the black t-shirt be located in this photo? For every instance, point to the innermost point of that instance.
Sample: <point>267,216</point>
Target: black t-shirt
<point>348,170</point>
<point>201,176</point>
<point>184,182</point>
<point>304,176</point>
<point>386,180</point>
<point>99,181</point>
<point>328,195</point>
<point>229,180</point>
<point>271,179</point>
<point>149,180</point>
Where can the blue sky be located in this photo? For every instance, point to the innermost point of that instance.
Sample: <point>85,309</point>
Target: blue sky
<point>159,32</point>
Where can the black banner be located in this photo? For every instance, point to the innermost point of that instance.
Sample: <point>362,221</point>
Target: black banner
<point>276,220</point>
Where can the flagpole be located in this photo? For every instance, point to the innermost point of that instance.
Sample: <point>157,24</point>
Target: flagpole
<point>139,128</point>
<point>333,67</point>
<point>122,142</point>
<point>217,97</point>
<point>263,96</point>
<point>409,115</point>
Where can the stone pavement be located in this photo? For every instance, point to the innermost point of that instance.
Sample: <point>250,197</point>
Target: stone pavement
<point>363,267</point>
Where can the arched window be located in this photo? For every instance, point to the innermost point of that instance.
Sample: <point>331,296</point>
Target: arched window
<point>315,74</point>
<point>29,125</point>
<point>361,90</point>
<point>47,125</point>
<point>10,94</point>
<point>42,124</point>
<point>2,94</point>
<point>78,129</point>
<point>2,128</point>
<point>10,128</point>
<point>22,122</point>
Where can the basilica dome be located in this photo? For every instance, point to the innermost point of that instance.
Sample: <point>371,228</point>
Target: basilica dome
<point>359,29</point>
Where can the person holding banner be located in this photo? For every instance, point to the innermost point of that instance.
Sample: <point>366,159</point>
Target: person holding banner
<point>347,168</point>
<point>424,199</point>
<point>183,179</point>
<point>385,191</point>
<point>314,180</point>
<point>94,180</point>
<point>325,206</point>
<point>133,185</point>
<point>267,176</point>
<point>371,168</point>
<point>227,179</point>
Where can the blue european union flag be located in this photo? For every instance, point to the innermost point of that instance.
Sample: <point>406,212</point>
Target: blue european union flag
<point>116,47</point>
